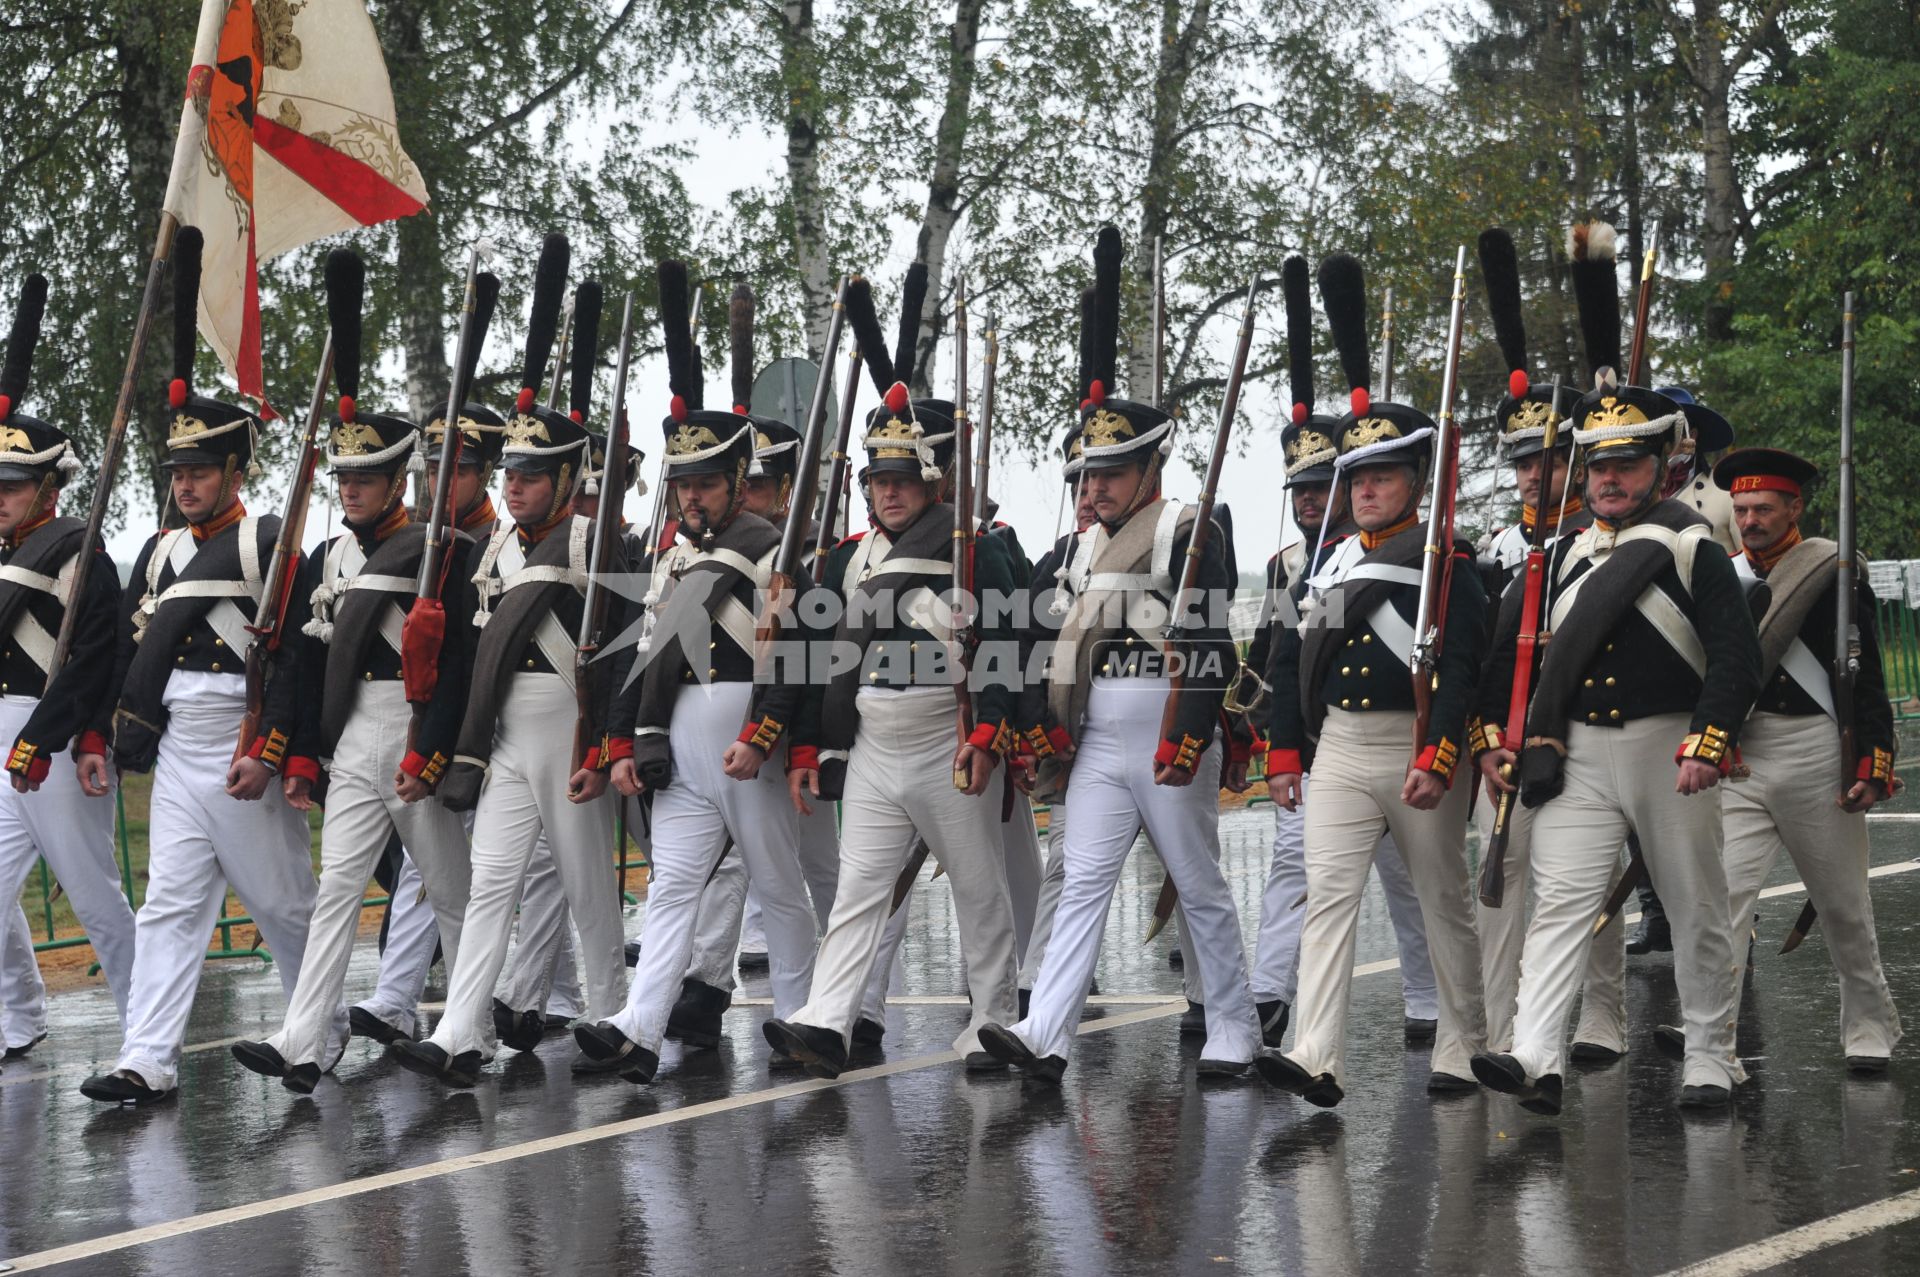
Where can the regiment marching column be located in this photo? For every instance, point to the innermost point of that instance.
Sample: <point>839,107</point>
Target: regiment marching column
<point>45,812</point>
<point>177,698</point>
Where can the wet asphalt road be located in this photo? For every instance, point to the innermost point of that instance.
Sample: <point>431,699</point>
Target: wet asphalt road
<point>916,1167</point>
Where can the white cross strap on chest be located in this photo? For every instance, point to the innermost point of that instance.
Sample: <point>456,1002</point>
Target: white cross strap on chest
<point>1396,635</point>
<point>176,550</point>
<point>504,566</point>
<point>1654,603</point>
<point>29,635</point>
<point>1803,667</point>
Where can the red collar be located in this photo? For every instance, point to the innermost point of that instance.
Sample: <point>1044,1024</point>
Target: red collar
<point>1373,540</point>
<point>481,512</point>
<point>1571,506</point>
<point>535,535</point>
<point>220,522</point>
<point>26,530</point>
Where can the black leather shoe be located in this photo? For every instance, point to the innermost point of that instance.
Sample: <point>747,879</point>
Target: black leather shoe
<point>123,1086</point>
<point>261,1058</point>
<point>633,953</point>
<point>1652,934</point>
<point>1093,988</point>
<point>1594,1053</point>
<point>1193,1020</point>
<point>1501,1072</point>
<point>1026,1001</point>
<point>1867,1065</point>
<point>1005,1045</point>
<point>754,960</point>
<point>1273,1021</point>
<point>1671,1041</point>
<point>551,1023</point>
<point>822,1052</point>
<point>1704,1097</point>
<point>521,1030</point>
<point>20,1052</point>
<point>1420,1032</point>
<point>983,1062</point>
<point>1218,1070</point>
<point>302,1078</point>
<point>428,1060</point>
<point>1439,1083</point>
<point>696,1016</point>
<point>868,1033</point>
<point>1282,1072</point>
<point>362,1023</point>
<point>781,1062</point>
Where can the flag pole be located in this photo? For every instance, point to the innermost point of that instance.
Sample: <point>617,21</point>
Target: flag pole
<point>114,448</point>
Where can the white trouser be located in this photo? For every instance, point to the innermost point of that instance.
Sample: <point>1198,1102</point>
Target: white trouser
<point>1110,795</point>
<point>1619,780</point>
<point>23,997</point>
<point>412,936</point>
<point>199,840</point>
<point>1052,877</point>
<point>717,933</point>
<point>693,820</point>
<point>1359,771</point>
<point>525,795</point>
<point>363,813</point>
<point>753,936</point>
<point>1603,1006</point>
<point>1787,804</point>
<point>542,974</point>
<point>1021,843</point>
<point>74,832</point>
<point>1283,908</point>
<point>898,785</point>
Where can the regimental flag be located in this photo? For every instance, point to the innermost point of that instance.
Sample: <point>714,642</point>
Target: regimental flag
<point>287,134</point>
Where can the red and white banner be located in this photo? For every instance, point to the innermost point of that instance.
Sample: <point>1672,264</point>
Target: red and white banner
<point>287,134</point>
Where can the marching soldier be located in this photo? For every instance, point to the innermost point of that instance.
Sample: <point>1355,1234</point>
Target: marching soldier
<point>1144,749</point>
<point>703,729</point>
<point>413,935</point>
<point>1307,444</point>
<point>1544,482</point>
<point>885,723</point>
<point>1343,697</point>
<point>1791,749</point>
<point>725,902</point>
<point>514,765</point>
<point>1654,658</point>
<point>382,761</point>
<point>177,697</point>
<point>45,813</point>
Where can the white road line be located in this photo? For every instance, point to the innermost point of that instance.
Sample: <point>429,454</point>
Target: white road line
<point>1797,1243</point>
<point>191,1224</point>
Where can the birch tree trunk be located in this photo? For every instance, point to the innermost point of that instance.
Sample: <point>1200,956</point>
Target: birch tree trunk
<point>800,73</point>
<point>943,188</point>
<point>1177,45</point>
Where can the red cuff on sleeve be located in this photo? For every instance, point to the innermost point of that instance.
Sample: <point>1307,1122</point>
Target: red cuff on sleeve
<point>618,747</point>
<point>1183,753</point>
<point>26,760</point>
<point>1440,760</point>
<point>1239,749</point>
<point>1284,762</point>
<point>307,769</point>
<point>421,767</point>
<point>93,743</point>
<point>763,733</point>
<point>803,756</point>
<point>985,735</point>
<point>1260,745</point>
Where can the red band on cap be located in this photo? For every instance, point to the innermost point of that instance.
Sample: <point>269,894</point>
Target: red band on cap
<point>1766,483</point>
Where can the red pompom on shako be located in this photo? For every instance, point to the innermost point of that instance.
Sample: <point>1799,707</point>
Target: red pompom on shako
<point>523,402</point>
<point>6,407</point>
<point>177,392</point>
<point>577,417</point>
<point>897,397</point>
<point>1518,384</point>
<point>1097,392</point>
<point>346,407</point>
<point>1361,401</point>
<point>677,408</point>
<point>1299,414</point>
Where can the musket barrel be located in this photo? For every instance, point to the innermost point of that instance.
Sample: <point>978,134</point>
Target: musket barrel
<point>437,513</point>
<point>1440,494</point>
<point>807,475</point>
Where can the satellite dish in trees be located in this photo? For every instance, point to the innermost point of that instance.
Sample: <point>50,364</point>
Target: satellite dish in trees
<point>784,391</point>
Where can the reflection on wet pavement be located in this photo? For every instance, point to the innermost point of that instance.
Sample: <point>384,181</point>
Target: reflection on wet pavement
<point>1130,1167</point>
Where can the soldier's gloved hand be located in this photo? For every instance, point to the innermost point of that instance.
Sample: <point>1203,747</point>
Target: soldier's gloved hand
<point>586,785</point>
<point>626,778</point>
<point>1696,777</point>
<point>1423,790</point>
<point>95,779</point>
<point>741,761</point>
<point>248,779</point>
<point>1284,789</point>
<point>802,781</point>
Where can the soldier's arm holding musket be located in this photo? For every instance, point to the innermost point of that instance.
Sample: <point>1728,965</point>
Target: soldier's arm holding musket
<point>996,700</point>
<point>1288,752</point>
<point>301,652</point>
<point>93,752</point>
<point>436,728</point>
<point>805,783</point>
<point>1486,726</point>
<point>289,725</point>
<point>1461,655</point>
<point>69,708</point>
<point>1210,664</point>
<point>1731,683</point>
<point>1037,735</point>
<point>1873,735</point>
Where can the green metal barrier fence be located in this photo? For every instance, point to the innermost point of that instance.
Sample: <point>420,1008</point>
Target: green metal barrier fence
<point>1899,630</point>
